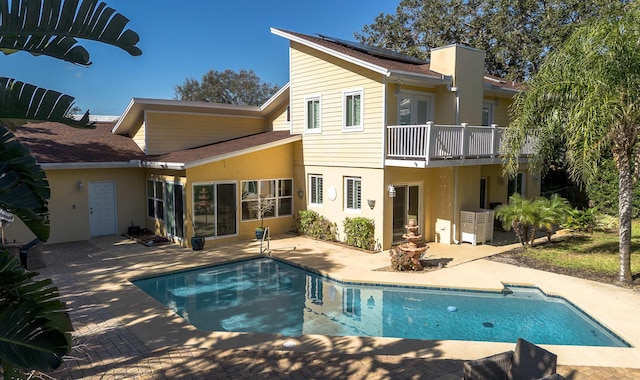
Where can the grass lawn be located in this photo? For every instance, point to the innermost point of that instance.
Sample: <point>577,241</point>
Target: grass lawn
<point>585,255</point>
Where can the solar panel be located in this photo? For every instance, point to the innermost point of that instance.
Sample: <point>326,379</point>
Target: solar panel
<point>375,51</point>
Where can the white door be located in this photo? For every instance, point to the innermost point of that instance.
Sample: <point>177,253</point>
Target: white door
<point>102,208</point>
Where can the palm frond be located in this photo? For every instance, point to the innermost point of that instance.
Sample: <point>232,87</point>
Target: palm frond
<point>35,329</point>
<point>52,27</point>
<point>24,189</point>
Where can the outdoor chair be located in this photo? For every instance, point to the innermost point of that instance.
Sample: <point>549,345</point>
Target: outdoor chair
<point>31,255</point>
<point>527,362</point>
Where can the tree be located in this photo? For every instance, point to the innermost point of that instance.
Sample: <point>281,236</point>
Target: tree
<point>521,215</point>
<point>34,326</point>
<point>516,36</point>
<point>553,212</point>
<point>228,87</point>
<point>587,96</point>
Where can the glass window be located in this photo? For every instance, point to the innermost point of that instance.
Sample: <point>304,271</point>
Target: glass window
<point>353,110</point>
<point>214,206</point>
<point>415,109</point>
<point>487,113</point>
<point>315,189</point>
<point>285,197</point>
<point>353,191</point>
<point>313,114</point>
<point>155,199</point>
<point>516,185</point>
<point>280,192</point>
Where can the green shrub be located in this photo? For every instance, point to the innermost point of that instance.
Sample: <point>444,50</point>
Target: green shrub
<point>317,226</point>
<point>360,232</point>
<point>582,220</point>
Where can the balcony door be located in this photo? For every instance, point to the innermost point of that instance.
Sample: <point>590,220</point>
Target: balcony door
<point>415,108</point>
<point>406,206</point>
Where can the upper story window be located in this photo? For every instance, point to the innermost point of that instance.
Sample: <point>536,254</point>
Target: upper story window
<point>352,106</point>
<point>155,199</point>
<point>315,189</point>
<point>487,113</point>
<point>353,193</point>
<point>312,110</point>
<point>414,108</point>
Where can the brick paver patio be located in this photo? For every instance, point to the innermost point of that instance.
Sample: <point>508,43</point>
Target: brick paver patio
<point>107,349</point>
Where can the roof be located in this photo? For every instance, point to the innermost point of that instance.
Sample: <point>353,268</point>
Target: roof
<point>385,66</point>
<point>56,143</point>
<point>220,150</point>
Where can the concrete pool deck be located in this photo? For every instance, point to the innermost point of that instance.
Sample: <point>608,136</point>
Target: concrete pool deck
<point>123,333</point>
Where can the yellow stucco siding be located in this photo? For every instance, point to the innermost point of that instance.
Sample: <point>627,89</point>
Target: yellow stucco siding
<point>334,183</point>
<point>168,132</point>
<point>69,206</point>
<point>316,74</point>
<point>501,114</point>
<point>272,163</point>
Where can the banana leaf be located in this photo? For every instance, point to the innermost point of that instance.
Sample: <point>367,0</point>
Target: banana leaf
<point>24,189</point>
<point>53,27</point>
<point>35,329</point>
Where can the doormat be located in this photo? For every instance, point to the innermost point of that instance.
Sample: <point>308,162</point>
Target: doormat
<point>148,238</point>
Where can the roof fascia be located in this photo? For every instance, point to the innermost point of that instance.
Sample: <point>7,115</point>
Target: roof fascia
<point>274,99</point>
<point>326,50</point>
<point>431,79</point>
<point>87,165</point>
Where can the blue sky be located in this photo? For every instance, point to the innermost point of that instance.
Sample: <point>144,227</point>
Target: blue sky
<point>181,39</point>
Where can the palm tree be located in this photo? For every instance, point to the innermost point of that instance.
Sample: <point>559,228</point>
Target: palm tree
<point>553,212</point>
<point>520,215</point>
<point>586,95</point>
<point>34,326</point>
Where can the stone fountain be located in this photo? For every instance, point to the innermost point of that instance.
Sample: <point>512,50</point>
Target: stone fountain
<point>414,246</point>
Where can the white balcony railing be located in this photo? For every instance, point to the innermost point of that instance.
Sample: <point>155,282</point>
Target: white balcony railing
<point>430,142</point>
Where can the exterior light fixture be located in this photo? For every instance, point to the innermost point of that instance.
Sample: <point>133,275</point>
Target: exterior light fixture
<point>371,203</point>
<point>80,186</point>
<point>300,193</point>
<point>392,191</point>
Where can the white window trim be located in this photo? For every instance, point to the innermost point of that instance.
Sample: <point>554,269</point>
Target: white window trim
<point>416,95</point>
<point>346,197</point>
<point>308,99</point>
<point>311,200</point>
<point>353,128</point>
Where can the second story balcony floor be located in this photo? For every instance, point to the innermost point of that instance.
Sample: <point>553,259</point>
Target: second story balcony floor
<point>431,145</point>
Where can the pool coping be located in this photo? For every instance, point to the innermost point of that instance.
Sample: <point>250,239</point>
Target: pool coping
<point>159,327</point>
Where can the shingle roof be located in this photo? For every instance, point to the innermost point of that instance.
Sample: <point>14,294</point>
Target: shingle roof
<point>389,64</point>
<point>235,146</point>
<point>55,143</point>
<point>393,65</point>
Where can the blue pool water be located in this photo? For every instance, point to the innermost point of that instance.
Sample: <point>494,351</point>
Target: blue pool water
<point>268,296</point>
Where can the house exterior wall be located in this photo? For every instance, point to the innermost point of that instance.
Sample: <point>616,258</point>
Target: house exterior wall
<point>466,66</point>
<point>277,120</point>
<point>272,163</point>
<point>317,74</point>
<point>139,137</point>
<point>334,209</point>
<point>69,206</point>
<point>169,132</point>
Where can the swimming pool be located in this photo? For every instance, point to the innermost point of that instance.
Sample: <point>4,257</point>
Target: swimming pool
<point>269,296</point>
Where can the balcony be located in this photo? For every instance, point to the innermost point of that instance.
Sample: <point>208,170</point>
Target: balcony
<point>432,145</point>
